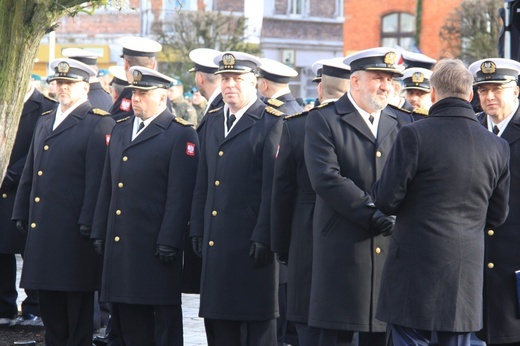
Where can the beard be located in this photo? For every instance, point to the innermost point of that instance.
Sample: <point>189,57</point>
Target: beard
<point>374,102</point>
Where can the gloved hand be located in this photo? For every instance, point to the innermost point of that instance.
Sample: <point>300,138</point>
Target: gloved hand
<point>282,258</point>
<point>167,254</point>
<point>84,231</point>
<point>99,246</point>
<point>261,254</point>
<point>21,225</point>
<point>196,245</point>
<point>382,224</point>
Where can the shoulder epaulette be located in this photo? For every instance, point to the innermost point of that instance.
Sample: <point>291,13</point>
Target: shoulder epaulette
<point>321,105</point>
<point>215,110</point>
<point>122,119</point>
<point>50,98</point>
<point>400,109</point>
<point>182,121</point>
<point>47,112</point>
<point>275,103</point>
<point>273,111</point>
<point>296,115</point>
<point>420,111</point>
<point>99,111</point>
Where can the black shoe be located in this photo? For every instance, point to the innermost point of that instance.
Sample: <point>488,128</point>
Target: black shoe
<point>101,340</point>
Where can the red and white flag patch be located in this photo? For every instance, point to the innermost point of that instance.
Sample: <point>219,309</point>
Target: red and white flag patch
<point>107,139</point>
<point>125,105</point>
<point>190,149</point>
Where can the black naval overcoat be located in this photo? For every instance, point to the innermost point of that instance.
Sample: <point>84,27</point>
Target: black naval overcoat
<point>501,260</point>
<point>57,193</point>
<point>11,240</point>
<point>344,160</point>
<point>145,200</point>
<point>99,97</point>
<point>290,105</point>
<point>231,208</point>
<point>292,209</point>
<point>446,179</point>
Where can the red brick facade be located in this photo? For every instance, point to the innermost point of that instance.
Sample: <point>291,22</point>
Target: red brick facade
<point>362,26</point>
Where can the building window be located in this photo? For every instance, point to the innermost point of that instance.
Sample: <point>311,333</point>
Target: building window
<point>297,7</point>
<point>170,6</point>
<point>397,29</point>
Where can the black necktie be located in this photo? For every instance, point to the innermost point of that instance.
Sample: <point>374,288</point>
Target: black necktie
<point>496,130</point>
<point>141,126</point>
<point>230,120</point>
<point>371,118</point>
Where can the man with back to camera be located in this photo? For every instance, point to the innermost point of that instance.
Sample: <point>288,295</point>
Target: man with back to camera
<point>55,204</point>
<point>496,80</point>
<point>346,146</point>
<point>446,180</point>
<point>231,211</point>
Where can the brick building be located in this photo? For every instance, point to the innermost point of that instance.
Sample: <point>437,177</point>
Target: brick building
<point>297,32</point>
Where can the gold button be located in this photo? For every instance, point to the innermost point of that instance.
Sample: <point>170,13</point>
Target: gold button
<point>118,212</point>
<point>217,183</point>
<point>120,185</point>
<point>4,195</point>
<point>214,213</point>
<point>40,173</point>
<point>45,147</point>
<point>491,232</point>
<point>378,250</point>
<point>125,158</point>
<point>37,199</point>
<point>220,153</point>
<point>491,265</point>
<point>211,243</point>
<point>116,239</point>
<point>378,153</point>
<point>33,225</point>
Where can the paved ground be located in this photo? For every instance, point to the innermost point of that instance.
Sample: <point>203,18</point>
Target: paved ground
<point>194,334</point>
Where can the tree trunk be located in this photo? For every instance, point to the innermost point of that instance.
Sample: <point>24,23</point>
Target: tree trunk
<point>23,23</point>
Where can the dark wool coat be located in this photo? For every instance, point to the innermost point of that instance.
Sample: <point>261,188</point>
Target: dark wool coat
<point>446,179</point>
<point>344,160</point>
<point>57,193</point>
<point>11,240</point>
<point>231,208</point>
<point>501,260</point>
<point>292,208</point>
<point>145,200</point>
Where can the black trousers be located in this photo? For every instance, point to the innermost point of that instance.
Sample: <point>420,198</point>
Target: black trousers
<point>332,337</point>
<point>67,317</point>
<point>9,294</point>
<point>240,333</point>
<point>143,325</point>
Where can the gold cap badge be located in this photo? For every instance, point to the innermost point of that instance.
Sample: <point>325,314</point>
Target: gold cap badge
<point>417,77</point>
<point>137,76</point>
<point>228,60</point>
<point>63,67</point>
<point>488,67</point>
<point>390,58</point>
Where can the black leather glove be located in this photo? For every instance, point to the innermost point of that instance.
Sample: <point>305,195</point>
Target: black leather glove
<point>21,225</point>
<point>261,253</point>
<point>196,245</point>
<point>99,246</point>
<point>282,258</point>
<point>167,254</point>
<point>382,224</point>
<point>84,231</point>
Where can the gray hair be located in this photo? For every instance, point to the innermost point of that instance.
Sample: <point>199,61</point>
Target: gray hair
<point>451,78</point>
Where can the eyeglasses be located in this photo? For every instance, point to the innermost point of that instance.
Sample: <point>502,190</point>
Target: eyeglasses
<point>496,90</point>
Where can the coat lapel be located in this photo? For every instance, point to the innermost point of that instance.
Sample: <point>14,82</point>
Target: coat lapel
<point>351,116</point>
<point>512,132</point>
<point>387,123</point>
<point>71,120</point>
<point>247,120</point>
<point>156,127</point>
